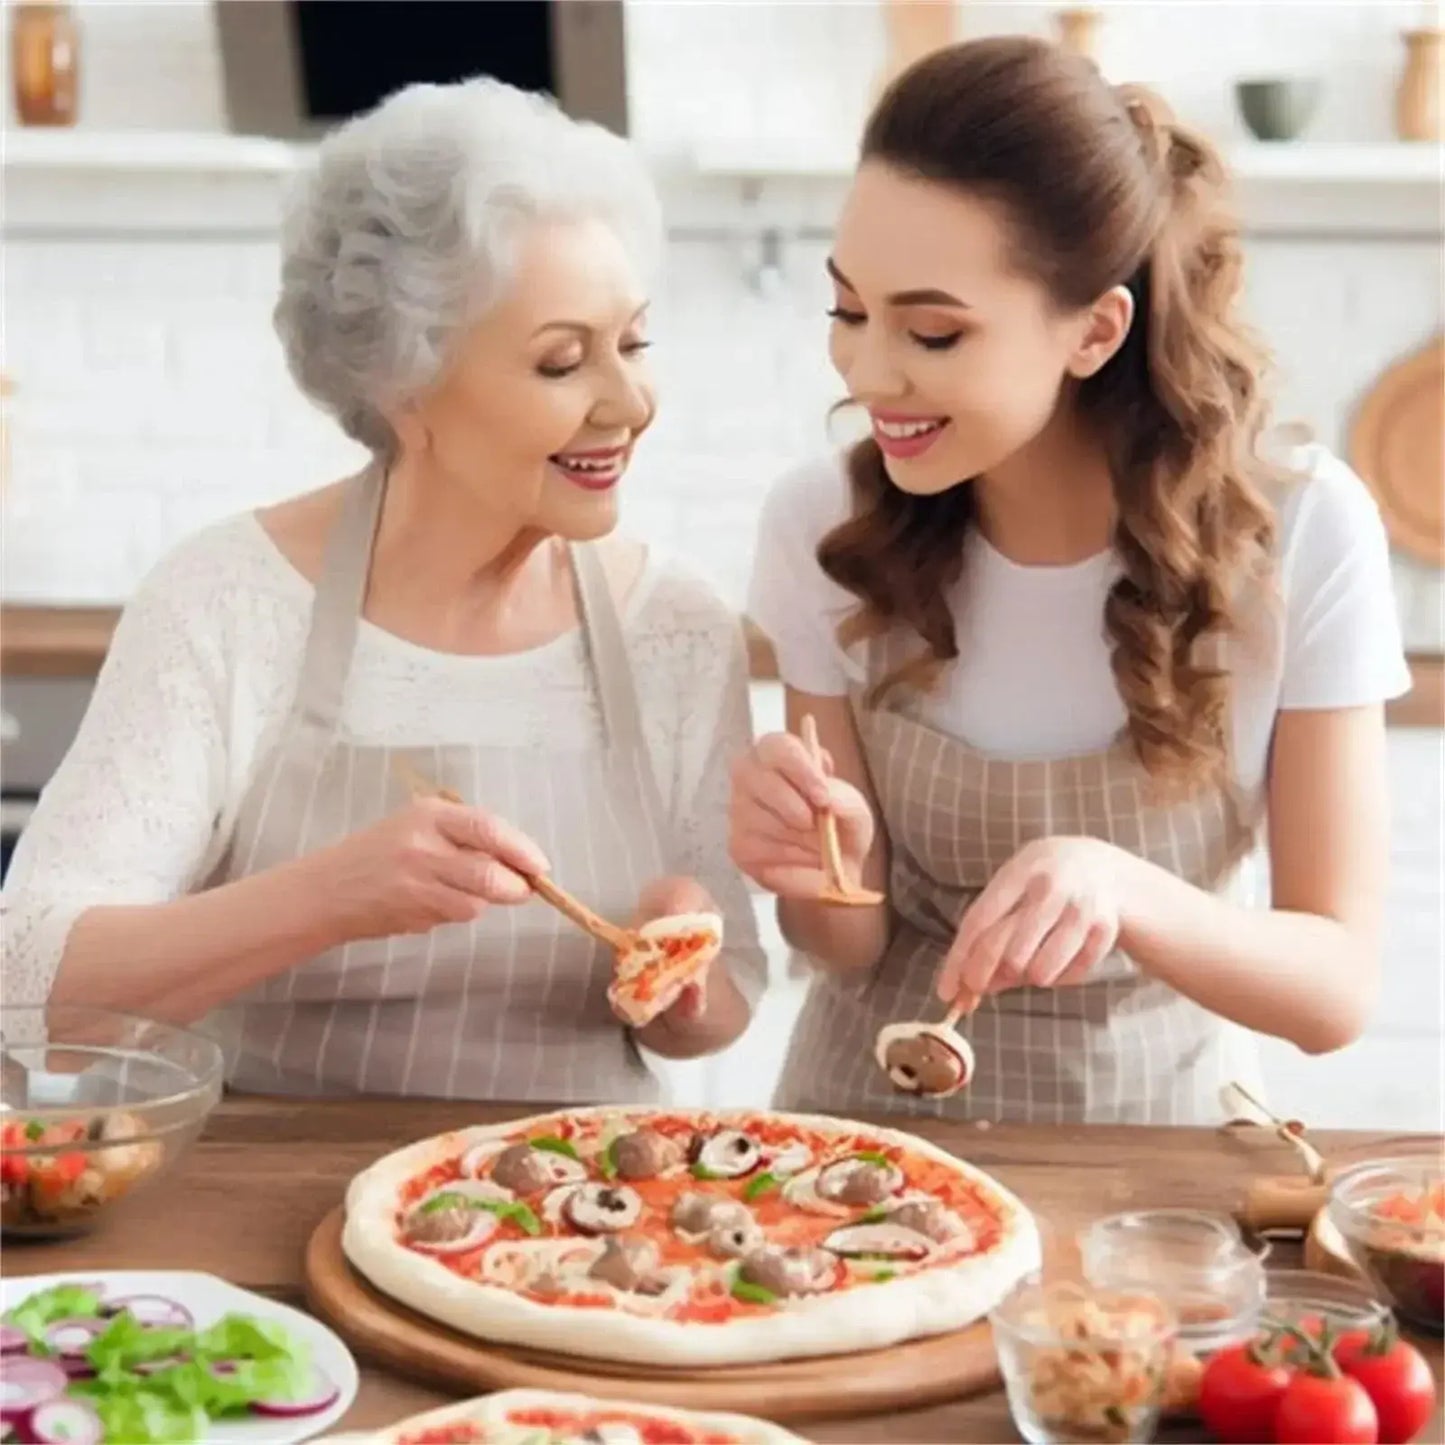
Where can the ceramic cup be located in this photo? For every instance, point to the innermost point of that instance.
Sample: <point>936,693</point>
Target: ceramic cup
<point>1277,109</point>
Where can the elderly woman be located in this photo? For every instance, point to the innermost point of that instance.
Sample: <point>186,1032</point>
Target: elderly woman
<point>232,837</point>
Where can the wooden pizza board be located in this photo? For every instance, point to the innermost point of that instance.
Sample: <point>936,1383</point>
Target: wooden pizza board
<point>921,1372</point>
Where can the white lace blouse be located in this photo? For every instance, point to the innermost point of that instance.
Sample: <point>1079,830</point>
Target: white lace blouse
<point>204,665</point>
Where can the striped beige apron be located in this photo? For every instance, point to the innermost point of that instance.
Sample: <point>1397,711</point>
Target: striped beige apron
<point>1120,1048</point>
<point>510,1006</point>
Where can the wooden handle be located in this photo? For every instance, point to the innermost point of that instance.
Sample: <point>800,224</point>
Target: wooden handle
<point>965,1003</point>
<point>581,914</point>
<point>827,823</point>
<point>544,888</point>
<point>1284,1203</point>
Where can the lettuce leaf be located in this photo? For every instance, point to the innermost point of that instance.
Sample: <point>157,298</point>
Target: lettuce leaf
<point>45,1307</point>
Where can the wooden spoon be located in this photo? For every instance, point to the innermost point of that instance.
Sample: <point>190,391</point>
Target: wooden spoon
<point>933,1073</point>
<point>836,888</point>
<point>620,939</point>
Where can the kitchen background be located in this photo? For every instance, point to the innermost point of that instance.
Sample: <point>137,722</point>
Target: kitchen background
<point>145,395</point>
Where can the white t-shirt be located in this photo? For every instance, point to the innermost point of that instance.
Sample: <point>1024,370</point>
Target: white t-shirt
<point>1032,679</point>
<point>203,668</point>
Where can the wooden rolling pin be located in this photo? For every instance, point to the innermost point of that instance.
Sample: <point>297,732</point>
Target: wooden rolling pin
<point>1287,1202</point>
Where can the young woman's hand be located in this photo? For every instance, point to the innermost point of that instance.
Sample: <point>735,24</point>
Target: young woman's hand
<point>1045,919</point>
<point>778,792</point>
<point>429,863</point>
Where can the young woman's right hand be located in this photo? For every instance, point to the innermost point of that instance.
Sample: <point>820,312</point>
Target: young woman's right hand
<point>431,862</point>
<point>778,793</point>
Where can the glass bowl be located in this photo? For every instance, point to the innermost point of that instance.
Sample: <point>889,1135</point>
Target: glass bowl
<point>1390,1213</point>
<point>1082,1364</point>
<point>1198,1263</point>
<point>1306,1296</point>
<point>94,1106</point>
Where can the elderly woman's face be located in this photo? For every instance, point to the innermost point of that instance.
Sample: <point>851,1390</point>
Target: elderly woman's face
<point>547,393</point>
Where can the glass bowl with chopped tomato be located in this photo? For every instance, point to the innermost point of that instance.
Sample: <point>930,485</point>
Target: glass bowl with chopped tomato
<point>94,1106</point>
<point>1390,1212</point>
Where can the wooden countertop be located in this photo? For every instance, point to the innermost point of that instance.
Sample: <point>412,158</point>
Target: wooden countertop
<point>41,641</point>
<point>244,1200</point>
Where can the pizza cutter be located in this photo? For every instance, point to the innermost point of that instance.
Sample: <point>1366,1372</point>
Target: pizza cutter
<point>932,1060</point>
<point>836,888</point>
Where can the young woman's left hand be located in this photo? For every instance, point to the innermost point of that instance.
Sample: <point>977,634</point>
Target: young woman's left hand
<point>660,899</point>
<point>1046,918</point>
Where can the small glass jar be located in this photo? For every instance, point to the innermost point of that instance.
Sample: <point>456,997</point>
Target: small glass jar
<point>1197,1262</point>
<point>45,63</point>
<point>1083,1365</point>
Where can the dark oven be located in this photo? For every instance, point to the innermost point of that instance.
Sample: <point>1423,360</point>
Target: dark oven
<point>39,717</point>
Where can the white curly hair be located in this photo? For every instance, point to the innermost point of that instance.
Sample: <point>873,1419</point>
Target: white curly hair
<point>401,234</point>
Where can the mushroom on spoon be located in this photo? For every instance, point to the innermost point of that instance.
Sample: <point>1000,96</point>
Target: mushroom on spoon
<point>932,1060</point>
<point>836,887</point>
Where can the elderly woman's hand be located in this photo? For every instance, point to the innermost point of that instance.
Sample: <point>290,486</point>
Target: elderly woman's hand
<point>430,863</point>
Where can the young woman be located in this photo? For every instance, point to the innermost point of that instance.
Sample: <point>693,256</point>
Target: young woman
<point>1063,631</point>
<point>231,836</point>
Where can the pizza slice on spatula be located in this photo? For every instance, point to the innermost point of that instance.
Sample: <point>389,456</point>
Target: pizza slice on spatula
<point>545,1417</point>
<point>664,956</point>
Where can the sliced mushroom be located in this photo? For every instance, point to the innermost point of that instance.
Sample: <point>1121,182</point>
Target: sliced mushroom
<point>447,1224</point>
<point>790,1271</point>
<point>527,1170</point>
<point>783,1163</point>
<point>628,1264</point>
<point>727,1225</point>
<point>728,1154</point>
<point>644,1154</point>
<point>923,1063</point>
<point>601,1208</point>
<point>859,1181</point>
<point>610,1432</point>
<point>888,1241</point>
<point>929,1217</point>
<point>734,1238</point>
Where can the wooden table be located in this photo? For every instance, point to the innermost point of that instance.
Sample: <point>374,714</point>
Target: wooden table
<point>247,1196</point>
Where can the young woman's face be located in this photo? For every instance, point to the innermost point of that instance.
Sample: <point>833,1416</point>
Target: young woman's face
<point>958,357</point>
<point>537,413</point>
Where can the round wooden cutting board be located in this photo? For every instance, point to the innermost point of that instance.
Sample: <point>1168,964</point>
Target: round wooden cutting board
<point>1397,444</point>
<point>944,1367</point>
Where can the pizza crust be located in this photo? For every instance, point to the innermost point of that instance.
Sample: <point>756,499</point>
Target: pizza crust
<point>949,1297</point>
<point>493,1409</point>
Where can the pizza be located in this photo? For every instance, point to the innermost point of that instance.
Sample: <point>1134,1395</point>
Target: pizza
<point>664,957</point>
<point>544,1417</point>
<point>683,1237</point>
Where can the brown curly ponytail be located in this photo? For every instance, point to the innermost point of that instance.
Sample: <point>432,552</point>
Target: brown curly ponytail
<point>1101,188</point>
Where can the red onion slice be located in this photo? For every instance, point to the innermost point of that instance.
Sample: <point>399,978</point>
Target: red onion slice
<point>65,1422</point>
<point>153,1310</point>
<point>26,1383</point>
<point>322,1395</point>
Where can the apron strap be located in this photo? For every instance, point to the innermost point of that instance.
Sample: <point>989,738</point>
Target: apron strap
<point>616,683</point>
<point>340,598</point>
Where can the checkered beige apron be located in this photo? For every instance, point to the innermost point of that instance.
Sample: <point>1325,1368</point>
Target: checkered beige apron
<point>510,1006</point>
<point>1120,1048</point>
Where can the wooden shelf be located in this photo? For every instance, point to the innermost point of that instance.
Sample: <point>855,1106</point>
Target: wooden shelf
<point>141,151</point>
